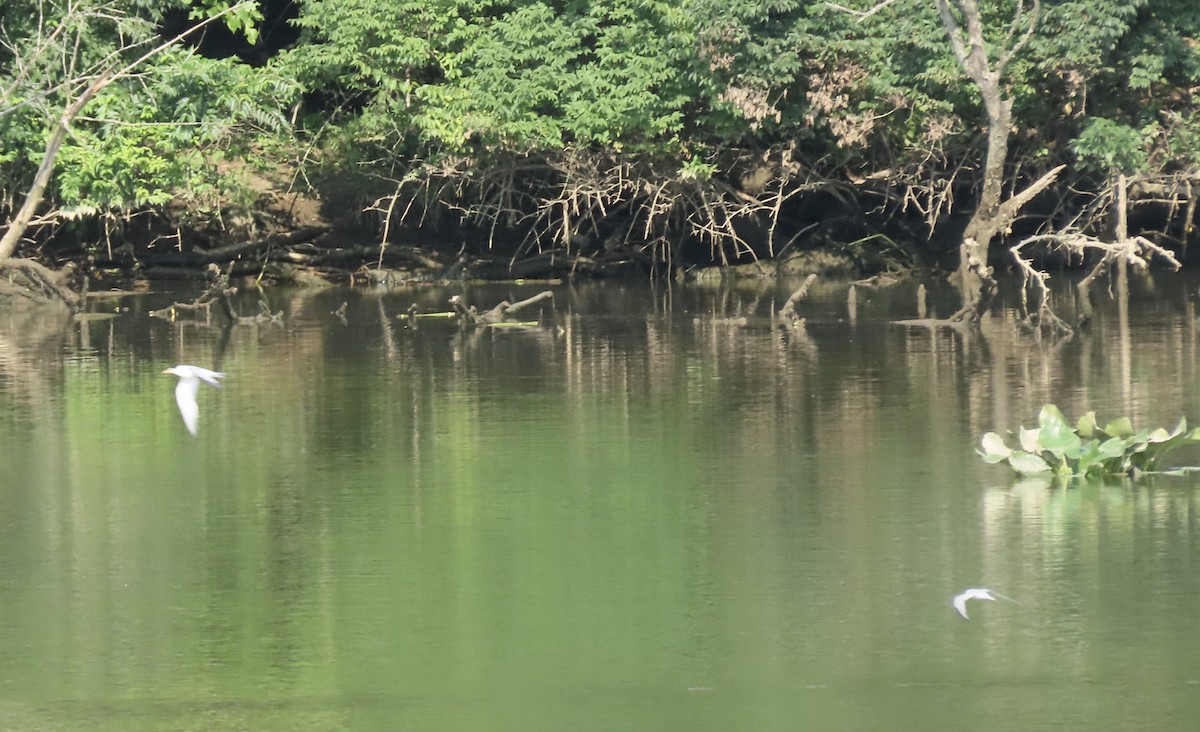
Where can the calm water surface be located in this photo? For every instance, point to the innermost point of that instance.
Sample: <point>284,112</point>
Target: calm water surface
<point>635,516</point>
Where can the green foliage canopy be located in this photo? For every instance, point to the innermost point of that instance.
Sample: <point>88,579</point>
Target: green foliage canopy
<point>156,135</point>
<point>466,76</point>
<point>1106,85</point>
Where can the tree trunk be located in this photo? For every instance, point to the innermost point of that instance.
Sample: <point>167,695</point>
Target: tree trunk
<point>964,28</point>
<point>33,198</point>
<point>97,78</point>
<point>983,224</point>
<point>986,222</point>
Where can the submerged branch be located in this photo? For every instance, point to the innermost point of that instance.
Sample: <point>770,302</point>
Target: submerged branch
<point>787,314</point>
<point>1136,252</point>
<point>498,314</point>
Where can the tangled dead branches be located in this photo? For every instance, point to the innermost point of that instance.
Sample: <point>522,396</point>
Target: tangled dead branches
<point>582,200</point>
<point>1135,252</point>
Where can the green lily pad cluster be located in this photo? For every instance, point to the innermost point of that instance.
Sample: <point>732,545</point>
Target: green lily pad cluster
<point>1058,448</point>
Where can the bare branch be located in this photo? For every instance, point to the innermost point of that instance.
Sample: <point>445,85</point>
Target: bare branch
<point>861,15</point>
<point>787,314</point>
<point>1030,25</point>
<point>1010,208</point>
<point>1135,251</point>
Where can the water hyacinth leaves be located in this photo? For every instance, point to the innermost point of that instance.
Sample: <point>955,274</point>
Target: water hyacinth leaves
<point>1055,447</point>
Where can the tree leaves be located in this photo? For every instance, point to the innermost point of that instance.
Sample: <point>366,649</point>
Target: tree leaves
<point>154,135</point>
<point>523,76</point>
<point>1104,83</point>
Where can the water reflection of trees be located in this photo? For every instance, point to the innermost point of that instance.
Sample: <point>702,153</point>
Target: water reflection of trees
<point>359,427</point>
<point>714,350</point>
<point>31,344</point>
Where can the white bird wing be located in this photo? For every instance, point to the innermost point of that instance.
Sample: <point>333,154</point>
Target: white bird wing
<point>187,371</point>
<point>209,377</point>
<point>185,397</point>
<point>1003,597</point>
<point>960,600</point>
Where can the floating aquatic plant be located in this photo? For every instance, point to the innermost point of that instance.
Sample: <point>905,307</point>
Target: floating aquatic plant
<point>1055,447</point>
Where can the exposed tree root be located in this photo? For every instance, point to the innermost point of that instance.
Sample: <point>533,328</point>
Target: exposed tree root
<point>29,280</point>
<point>579,201</point>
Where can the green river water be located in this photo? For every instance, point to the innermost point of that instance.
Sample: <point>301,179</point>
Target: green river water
<point>635,516</point>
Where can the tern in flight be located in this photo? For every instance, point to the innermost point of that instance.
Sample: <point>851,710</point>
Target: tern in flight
<point>185,391</point>
<point>960,600</point>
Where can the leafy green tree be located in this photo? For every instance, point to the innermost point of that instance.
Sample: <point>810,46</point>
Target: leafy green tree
<point>136,119</point>
<point>874,87</point>
<point>670,122</point>
<point>464,77</point>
